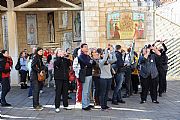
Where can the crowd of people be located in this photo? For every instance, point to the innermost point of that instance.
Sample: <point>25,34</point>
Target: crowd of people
<point>96,71</point>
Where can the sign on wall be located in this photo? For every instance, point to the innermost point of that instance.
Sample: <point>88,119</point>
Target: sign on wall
<point>31,23</point>
<point>51,29</point>
<point>63,19</point>
<point>125,25</point>
<point>77,26</point>
<point>67,40</point>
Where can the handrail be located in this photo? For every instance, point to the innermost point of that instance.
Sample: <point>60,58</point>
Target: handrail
<point>168,20</point>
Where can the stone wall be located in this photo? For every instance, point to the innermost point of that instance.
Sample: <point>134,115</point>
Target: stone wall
<point>95,22</point>
<point>92,22</point>
<point>42,26</point>
<point>22,31</point>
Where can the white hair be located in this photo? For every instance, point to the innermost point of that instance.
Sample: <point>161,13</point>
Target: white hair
<point>58,49</point>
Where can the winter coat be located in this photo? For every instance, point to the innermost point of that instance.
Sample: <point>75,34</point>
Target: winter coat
<point>37,66</point>
<point>76,67</point>
<point>5,66</point>
<point>61,68</point>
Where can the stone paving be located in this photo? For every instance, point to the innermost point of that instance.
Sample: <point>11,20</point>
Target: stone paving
<point>168,109</point>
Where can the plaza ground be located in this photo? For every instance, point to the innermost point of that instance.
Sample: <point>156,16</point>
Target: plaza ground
<point>168,109</point>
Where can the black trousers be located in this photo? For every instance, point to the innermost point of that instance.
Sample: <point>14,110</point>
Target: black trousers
<point>164,81</point>
<point>128,81</point>
<point>149,84</point>
<point>161,77</point>
<point>135,82</point>
<point>5,89</point>
<point>23,74</point>
<point>96,89</point>
<point>35,91</point>
<point>61,89</point>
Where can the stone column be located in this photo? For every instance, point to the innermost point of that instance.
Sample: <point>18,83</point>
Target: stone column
<point>91,22</point>
<point>12,38</point>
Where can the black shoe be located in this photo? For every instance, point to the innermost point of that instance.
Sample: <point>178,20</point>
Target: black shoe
<point>115,103</point>
<point>142,102</point>
<point>23,86</point>
<point>126,96</point>
<point>69,97</point>
<point>155,101</point>
<point>160,95</point>
<point>109,99</point>
<point>91,106</point>
<point>6,105</point>
<point>135,92</point>
<point>87,108</point>
<point>107,107</point>
<point>121,101</point>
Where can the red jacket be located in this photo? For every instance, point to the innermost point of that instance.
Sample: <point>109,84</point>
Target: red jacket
<point>7,67</point>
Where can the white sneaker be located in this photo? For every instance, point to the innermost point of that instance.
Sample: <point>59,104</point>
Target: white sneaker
<point>30,97</point>
<point>41,91</point>
<point>67,108</point>
<point>57,110</point>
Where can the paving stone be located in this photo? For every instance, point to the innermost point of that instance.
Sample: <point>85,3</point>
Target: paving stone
<point>168,109</point>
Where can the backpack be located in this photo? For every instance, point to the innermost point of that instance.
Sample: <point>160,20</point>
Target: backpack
<point>18,65</point>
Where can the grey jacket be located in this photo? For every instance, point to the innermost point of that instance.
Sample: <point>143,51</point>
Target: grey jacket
<point>106,69</point>
<point>148,66</point>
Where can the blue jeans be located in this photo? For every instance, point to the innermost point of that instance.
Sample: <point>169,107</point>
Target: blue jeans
<point>119,78</point>
<point>104,88</point>
<point>86,88</point>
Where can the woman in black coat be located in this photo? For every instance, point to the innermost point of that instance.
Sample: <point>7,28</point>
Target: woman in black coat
<point>37,67</point>
<point>61,70</point>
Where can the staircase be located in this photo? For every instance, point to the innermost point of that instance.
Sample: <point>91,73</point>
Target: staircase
<point>53,46</point>
<point>166,29</point>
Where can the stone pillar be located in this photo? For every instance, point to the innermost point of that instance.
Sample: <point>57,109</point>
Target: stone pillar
<point>91,22</point>
<point>13,42</point>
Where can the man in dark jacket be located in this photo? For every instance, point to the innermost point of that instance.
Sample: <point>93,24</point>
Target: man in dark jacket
<point>149,74</point>
<point>86,63</point>
<point>6,65</point>
<point>119,77</point>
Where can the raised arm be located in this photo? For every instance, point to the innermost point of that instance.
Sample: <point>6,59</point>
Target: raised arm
<point>164,46</point>
<point>156,51</point>
<point>102,61</point>
<point>112,58</point>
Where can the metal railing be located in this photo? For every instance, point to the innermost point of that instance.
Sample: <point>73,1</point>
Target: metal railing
<point>165,28</point>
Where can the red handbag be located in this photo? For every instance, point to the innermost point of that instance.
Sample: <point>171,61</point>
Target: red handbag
<point>72,76</point>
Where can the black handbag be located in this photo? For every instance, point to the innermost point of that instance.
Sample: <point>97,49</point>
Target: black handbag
<point>82,75</point>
